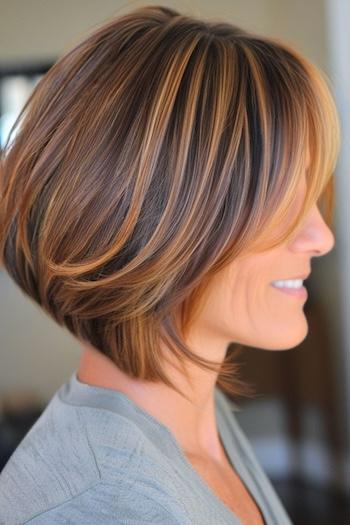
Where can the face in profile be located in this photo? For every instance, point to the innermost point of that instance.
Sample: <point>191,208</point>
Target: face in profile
<point>250,302</point>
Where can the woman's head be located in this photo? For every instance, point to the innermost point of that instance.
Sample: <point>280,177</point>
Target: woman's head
<point>159,155</point>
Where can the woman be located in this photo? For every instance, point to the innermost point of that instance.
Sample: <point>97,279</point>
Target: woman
<point>161,200</point>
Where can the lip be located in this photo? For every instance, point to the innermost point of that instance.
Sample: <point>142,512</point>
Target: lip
<point>300,293</point>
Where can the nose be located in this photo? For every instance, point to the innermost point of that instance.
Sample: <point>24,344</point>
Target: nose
<point>314,237</point>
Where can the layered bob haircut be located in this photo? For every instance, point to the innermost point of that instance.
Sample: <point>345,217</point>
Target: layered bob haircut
<point>146,159</point>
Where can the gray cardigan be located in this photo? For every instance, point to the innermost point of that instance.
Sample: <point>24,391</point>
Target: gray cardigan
<point>95,457</point>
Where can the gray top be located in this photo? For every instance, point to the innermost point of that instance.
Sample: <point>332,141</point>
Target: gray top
<point>95,457</point>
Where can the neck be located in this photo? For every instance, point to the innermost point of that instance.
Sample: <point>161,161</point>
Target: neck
<point>193,424</point>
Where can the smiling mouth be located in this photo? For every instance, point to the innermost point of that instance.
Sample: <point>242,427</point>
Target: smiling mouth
<point>299,292</point>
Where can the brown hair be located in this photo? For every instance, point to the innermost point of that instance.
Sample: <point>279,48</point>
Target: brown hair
<point>145,160</point>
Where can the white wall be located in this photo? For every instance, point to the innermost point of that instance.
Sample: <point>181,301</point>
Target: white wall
<point>44,28</point>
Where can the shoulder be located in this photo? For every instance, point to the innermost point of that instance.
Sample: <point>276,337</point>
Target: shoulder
<point>101,504</point>
<point>83,464</point>
<point>51,464</point>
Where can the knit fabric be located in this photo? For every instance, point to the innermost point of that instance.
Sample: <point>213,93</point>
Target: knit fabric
<point>94,457</point>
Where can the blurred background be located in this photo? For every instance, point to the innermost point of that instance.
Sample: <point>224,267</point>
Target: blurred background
<point>298,422</point>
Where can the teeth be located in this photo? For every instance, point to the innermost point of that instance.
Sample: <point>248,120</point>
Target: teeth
<point>291,283</point>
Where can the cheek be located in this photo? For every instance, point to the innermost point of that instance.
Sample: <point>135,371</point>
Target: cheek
<point>248,290</point>
<point>263,317</point>
<point>252,312</point>
<point>248,304</point>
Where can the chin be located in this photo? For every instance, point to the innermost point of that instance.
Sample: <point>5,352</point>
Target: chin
<point>277,337</point>
<point>282,338</point>
<point>287,343</point>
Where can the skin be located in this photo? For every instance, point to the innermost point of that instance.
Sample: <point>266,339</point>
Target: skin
<point>241,306</point>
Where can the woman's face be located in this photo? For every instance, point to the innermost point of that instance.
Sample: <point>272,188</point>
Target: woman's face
<point>244,306</point>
